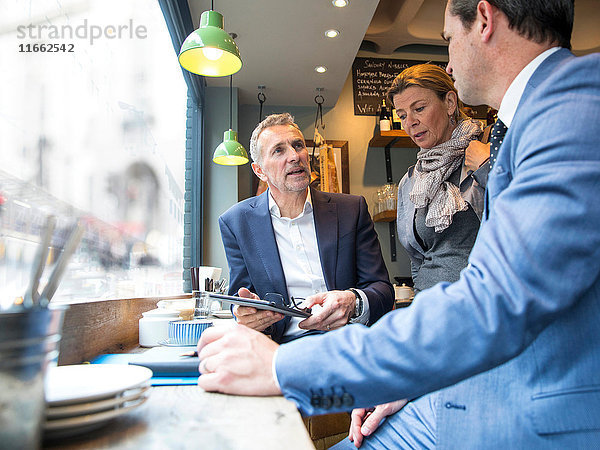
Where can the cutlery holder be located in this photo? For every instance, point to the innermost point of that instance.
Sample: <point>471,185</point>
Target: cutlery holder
<point>29,342</point>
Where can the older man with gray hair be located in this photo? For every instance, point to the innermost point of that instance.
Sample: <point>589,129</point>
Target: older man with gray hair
<point>302,243</point>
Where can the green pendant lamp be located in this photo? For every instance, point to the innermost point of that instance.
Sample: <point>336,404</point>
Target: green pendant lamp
<point>230,152</point>
<point>209,50</point>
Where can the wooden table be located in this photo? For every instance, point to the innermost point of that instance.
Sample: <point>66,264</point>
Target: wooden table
<point>173,417</point>
<point>186,417</point>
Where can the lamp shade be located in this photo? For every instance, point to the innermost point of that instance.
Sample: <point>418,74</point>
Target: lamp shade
<point>230,152</point>
<point>209,50</point>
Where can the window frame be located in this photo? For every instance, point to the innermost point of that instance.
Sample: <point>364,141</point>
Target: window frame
<point>179,23</point>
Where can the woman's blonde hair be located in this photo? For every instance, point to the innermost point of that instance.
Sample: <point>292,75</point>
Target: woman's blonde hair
<point>427,76</point>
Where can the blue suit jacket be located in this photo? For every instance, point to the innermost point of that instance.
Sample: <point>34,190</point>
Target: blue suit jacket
<point>348,247</point>
<point>522,325</point>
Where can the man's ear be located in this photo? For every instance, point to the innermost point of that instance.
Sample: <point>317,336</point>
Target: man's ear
<point>486,20</point>
<point>259,172</point>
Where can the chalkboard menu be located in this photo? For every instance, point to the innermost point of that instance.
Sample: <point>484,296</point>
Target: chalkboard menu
<point>371,78</point>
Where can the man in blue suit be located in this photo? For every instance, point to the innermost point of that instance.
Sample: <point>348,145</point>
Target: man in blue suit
<point>514,342</point>
<point>300,242</point>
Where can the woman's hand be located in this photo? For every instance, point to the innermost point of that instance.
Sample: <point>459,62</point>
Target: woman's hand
<point>475,154</point>
<point>366,421</point>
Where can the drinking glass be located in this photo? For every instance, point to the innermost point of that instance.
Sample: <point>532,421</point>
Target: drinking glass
<point>202,302</point>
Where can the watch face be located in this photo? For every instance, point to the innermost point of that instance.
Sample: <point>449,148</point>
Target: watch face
<point>359,307</point>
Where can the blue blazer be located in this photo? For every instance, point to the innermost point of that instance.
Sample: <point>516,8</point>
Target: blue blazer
<point>518,336</point>
<point>348,246</point>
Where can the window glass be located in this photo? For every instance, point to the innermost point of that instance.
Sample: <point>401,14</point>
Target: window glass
<point>92,128</point>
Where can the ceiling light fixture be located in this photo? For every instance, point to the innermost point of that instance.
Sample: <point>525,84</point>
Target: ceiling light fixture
<point>321,69</point>
<point>332,33</point>
<point>230,152</point>
<point>209,50</point>
<point>340,3</point>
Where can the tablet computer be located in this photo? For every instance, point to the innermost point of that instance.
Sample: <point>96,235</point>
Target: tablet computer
<point>260,304</point>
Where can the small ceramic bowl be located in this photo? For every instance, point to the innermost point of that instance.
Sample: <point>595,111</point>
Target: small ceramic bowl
<point>187,332</point>
<point>154,326</point>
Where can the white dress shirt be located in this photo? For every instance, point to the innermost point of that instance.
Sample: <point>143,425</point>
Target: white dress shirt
<point>299,253</point>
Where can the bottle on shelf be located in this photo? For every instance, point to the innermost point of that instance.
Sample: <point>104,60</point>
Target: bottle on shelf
<point>396,124</point>
<point>385,122</point>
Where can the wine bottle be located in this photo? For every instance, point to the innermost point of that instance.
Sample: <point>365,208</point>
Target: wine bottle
<point>396,123</point>
<point>385,122</point>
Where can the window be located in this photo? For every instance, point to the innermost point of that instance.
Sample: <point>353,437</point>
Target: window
<point>92,128</point>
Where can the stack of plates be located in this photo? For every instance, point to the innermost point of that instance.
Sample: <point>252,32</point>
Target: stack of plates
<point>83,397</point>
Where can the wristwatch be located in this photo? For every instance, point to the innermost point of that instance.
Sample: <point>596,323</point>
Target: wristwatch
<point>358,308</point>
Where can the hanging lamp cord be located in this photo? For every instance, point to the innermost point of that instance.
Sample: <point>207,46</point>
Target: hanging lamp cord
<point>261,100</point>
<point>212,5</point>
<point>230,95</point>
<point>319,100</point>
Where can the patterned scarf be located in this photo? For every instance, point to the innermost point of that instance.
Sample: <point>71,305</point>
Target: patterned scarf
<point>434,166</point>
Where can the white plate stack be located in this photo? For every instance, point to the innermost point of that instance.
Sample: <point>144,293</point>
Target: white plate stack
<point>83,397</point>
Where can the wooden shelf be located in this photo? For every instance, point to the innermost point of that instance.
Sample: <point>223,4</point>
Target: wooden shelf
<point>385,216</point>
<point>387,140</point>
<point>399,138</point>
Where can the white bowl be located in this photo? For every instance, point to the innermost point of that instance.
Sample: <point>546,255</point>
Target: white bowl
<point>154,326</point>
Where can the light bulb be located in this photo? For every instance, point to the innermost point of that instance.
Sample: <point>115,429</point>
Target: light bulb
<point>332,33</point>
<point>321,69</point>
<point>340,3</point>
<point>212,53</point>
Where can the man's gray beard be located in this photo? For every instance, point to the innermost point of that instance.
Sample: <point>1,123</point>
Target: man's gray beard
<point>292,186</point>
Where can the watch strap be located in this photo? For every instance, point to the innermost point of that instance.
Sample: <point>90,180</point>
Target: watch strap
<point>359,307</point>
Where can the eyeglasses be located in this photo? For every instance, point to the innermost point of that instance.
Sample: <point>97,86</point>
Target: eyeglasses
<point>280,300</point>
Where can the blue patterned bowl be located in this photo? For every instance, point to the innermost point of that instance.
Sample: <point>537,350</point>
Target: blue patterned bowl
<point>187,332</point>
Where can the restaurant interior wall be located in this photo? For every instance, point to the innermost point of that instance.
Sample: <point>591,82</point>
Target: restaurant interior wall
<point>221,182</point>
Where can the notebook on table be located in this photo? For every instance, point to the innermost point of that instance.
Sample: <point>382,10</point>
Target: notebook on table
<point>167,364</point>
<point>168,361</point>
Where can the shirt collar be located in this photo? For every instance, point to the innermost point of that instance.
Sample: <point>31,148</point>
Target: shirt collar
<point>513,95</point>
<point>274,209</point>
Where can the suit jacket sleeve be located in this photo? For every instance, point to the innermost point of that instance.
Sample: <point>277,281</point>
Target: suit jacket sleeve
<point>543,228</point>
<point>238,273</point>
